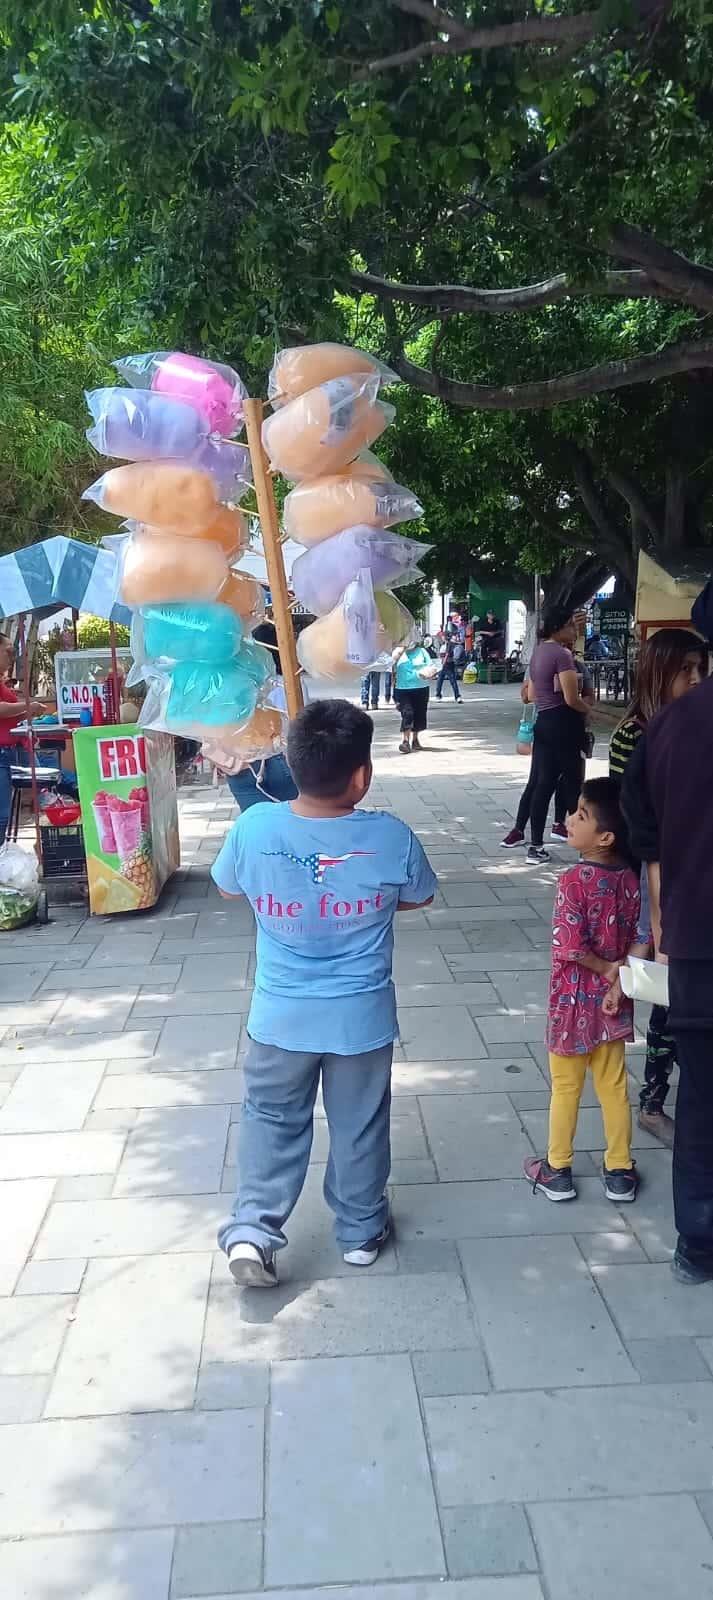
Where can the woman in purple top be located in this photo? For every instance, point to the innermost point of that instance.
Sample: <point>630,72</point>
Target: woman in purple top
<point>558,741</point>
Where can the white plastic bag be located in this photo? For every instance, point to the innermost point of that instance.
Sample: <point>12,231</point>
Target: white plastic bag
<point>18,869</point>
<point>645,980</point>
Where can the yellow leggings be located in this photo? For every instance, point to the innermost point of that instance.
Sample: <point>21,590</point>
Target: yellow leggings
<point>609,1073</point>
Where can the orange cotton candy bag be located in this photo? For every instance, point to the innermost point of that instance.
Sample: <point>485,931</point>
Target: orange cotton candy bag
<point>245,597</point>
<point>165,493</point>
<point>326,428</point>
<point>306,366</point>
<point>232,748</point>
<point>321,507</point>
<point>323,649</point>
<point>229,530</point>
<point>168,569</point>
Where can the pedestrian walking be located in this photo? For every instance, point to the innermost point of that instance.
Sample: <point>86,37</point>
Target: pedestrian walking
<point>559,739</point>
<point>325,881</point>
<point>666,790</point>
<point>589,1019</point>
<point>558,832</point>
<point>452,652</point>
<point>412,668</point>
<point>670,663</point>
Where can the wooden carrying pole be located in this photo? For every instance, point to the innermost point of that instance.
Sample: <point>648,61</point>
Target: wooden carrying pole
<point>273,556</point>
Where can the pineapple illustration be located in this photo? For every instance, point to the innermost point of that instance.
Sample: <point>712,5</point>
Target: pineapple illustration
<point>138,869</point>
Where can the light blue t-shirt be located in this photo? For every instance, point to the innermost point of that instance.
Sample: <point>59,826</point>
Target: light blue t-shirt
<point>324,892</point>
<point>408,668</point>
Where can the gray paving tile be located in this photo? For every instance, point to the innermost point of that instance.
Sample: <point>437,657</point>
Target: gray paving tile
<point>499,1208</point>
<point>58,1155</point>
<point>475,995</point>
<point>461,1077</point>
<point>328,1418</point>
<point>475,1138</point>
<point>705,1506</point>
<point>136,1339</point>
<point>105,1566</point>
<point>97,976</point>
<point>212,972</point>
<point>615,1545</point>
<point>518,1287</point>
<point>73,1050</point>
<point>32,1328</point>
<point>20,983</point>
<point>405,1172</point>
<point>231,1385</point>
<point>479,1458</point>
<point>420,964</point>
<point>668,1360</point>
<point>169,1089</point>
<point>487,1539</point>
<point>21,1400</point>
<point>648,1299</point>
<point>52,1277</point>
<point>450,1372</point>
<point>429,1033</point>
<point>427,1255</point>
<point>146,1226</point>
<point>515,1028</point>
<point>175,1003</point>
<point>205,1046</point>
<point>361,1315</point>
<point>23,1204</point>
<point>114,950</point>
<point>138,1471</point>
<point>174,1152</point>
<point>605,1249</point>
<point>225,1555</point>
<point>50,1099</point>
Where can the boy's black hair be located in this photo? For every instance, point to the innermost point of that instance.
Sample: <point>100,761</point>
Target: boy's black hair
<point>603,796</point>
<point>326,743</point>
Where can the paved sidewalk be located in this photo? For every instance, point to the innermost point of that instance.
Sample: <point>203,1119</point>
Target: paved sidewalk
<point>516,1403</point>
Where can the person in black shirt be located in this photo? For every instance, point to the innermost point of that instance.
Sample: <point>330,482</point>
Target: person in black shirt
<point>666,798</point>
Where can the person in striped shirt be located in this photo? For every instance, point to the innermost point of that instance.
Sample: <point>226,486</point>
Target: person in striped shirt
<point>671,662</point>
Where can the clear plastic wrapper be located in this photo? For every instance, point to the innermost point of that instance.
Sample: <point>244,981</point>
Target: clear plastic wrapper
<point>229,530</point>
<point>211,633</point>
<point>327,427</point>
<point>193,698</point>
<point>245,596</point>
<point>257,661</point>
<point>19,887</point>
<point>305,366</point>
<point>319,508</point>
<point>323,649</point>
<point>215,390</point>
<point>155,571</point>
<point>263,736</point>
<point>165,493</point>
<point>138,425</point>
<point>321,575</point>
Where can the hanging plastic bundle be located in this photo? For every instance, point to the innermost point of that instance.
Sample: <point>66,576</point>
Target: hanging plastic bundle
<point>138,425</point>
<point>322,574</point>
<point>215,390</point>
<point>324,429</point>
<point>306,366</point>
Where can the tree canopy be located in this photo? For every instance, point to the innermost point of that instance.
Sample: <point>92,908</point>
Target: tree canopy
<point>512,204</point>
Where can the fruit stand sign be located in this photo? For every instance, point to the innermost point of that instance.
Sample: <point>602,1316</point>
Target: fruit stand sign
<point>127,792</point>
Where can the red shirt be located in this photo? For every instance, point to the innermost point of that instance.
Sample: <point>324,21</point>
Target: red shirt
<point>8,695</point>
<point>596,913</point>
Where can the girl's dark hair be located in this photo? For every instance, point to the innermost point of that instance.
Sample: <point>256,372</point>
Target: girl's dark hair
<point>326,743</point>
<point>554,618</point>
<point>602,795</point>
<point>660,660</point>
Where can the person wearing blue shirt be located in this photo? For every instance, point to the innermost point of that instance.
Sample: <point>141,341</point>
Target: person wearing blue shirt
<point>411,693</point>
<point>325,881</point>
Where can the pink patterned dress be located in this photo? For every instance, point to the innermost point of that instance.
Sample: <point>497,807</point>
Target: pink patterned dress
<point>596,912</point>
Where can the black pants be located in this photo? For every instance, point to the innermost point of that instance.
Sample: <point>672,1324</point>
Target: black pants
<point>691,1023</point>
<point>556,753</point>
<point>523,810</point>
<point>660,1060</point>
<point>413,705</point>
<point>447,671</point>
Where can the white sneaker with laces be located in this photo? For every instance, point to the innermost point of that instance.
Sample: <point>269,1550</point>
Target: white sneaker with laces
<point>364,1255</point>
<point>251,1267</point>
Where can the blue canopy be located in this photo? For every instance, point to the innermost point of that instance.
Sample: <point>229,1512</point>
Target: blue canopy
<point>61,573</point>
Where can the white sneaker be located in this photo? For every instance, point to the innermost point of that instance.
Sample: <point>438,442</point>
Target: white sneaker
<point>364,1255</point>
<point>251,1267</point>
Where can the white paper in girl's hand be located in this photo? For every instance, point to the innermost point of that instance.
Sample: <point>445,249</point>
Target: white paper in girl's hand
<point>361,618</point>
<point>645,980</point>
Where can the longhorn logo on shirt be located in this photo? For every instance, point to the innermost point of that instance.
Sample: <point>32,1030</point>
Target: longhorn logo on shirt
<point>317,864</point>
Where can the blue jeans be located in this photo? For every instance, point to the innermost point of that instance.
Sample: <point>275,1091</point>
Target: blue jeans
<point>370,686</point>
<point>5,790</point>
<point>277,783</point>
<point>275,1139</point>
<point>447,671</point>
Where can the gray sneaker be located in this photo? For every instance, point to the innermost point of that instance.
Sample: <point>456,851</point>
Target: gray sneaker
<point>251,1267</point>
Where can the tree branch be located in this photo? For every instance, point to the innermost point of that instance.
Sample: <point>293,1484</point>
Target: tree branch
<point>442,297</point>
<point>610,537</point>
<point>640,509</point>
<point>685,279</point>
<point>684,357</point>
<point>532,31</point>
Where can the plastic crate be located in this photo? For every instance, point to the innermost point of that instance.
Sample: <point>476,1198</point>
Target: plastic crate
<point>63,852</point>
